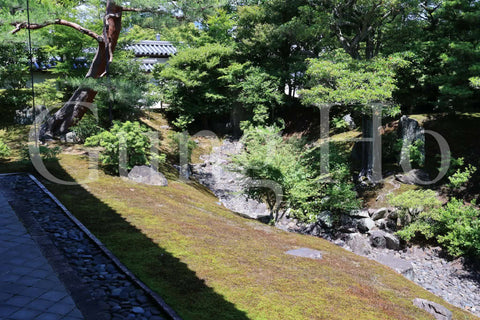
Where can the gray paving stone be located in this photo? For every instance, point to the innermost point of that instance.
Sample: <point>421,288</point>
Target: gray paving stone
<point>50,316</point>
<point>46,284</point>
<point>6,311</point>
<point>9,277</point>
<point>53,296</point>
<point>4,296</point>
<point>40,304</point>
<point>18,301</point>
<point>29,288</point>
<point>61,308</point>
<point>28,280</point>
<point>32,292</point>
<point>24,314</point>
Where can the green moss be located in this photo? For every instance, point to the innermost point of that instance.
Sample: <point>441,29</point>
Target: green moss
<point>208,263</point>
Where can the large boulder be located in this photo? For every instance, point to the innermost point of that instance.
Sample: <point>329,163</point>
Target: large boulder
<point>409,130</point>
<point>437,310</point>
<point>325,218</point>
<point>382,239</point>
<point>377,238</point>
<point>359,214</point>
<point>359,244</point>
<point>147,175</point>
<point>347,224</point>
<point>392,241</point>
<point>365,225</point>
<point>379,214</point>
<point>401,266</point>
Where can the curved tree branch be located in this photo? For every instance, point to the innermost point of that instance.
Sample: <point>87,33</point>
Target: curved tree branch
<point>24,25</point>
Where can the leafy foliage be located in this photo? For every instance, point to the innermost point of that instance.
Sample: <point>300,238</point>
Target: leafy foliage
<point>412,202</point>
<point>86,128</point>
<point>461,177</point>
<point>415,151</point>
<point>455,226</point>
<point>192,81</point>
<point>122,92</point>
<point>336,78</point>
<point>288,163</point>
<point>177,138</point>
<point>46,153</point>
<point>4,150</point>
<point>130,137</point>
<point>13,79</point>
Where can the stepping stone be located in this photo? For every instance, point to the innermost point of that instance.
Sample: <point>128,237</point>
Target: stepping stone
<point>306,253</point>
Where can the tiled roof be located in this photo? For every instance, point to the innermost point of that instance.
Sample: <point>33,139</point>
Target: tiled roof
<point>148,63</point>
<point>150,48</point>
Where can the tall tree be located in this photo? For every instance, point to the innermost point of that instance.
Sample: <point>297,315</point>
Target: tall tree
<point>338,79</point>
<point>55,12</point>
<point>279,36</point>
<point>358,26</point>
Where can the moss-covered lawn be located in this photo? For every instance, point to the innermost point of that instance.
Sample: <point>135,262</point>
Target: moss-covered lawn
<point>208,263</point>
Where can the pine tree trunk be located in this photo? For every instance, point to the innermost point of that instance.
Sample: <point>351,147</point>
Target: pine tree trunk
<point>74,109</point>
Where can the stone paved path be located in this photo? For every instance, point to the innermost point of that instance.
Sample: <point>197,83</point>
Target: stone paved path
<point>29,288</point>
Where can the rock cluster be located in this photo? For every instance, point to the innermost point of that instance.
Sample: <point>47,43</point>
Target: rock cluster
<point>227,185</point>
<point>359,230</point>
<point>115,294</point>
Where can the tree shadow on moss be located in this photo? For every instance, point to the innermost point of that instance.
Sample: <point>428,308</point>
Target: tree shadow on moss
<point>164,273</point>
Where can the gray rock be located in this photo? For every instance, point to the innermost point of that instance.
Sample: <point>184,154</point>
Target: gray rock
<point>365,225</point>
<point>349,120</point>
<point>377,238</point>
<point>381,224</point>
<point>359,214</point>
<point>71,137</point>
<point>138,310</point>
<point>409,131</point>
<point>393,215</point>
<point>116,292</point>
<point>147,175</point>
<point>415,176</point>
<point>392,241</point>
<point>359,244</point>
<point>437,310</point>
<point>401,266</point>
<point>306,253</point>
<point>348,224</point>
<point>379,214</point>
<point>325,218</point>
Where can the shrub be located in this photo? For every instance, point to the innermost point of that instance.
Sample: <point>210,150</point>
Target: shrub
<point>46,153</point>
<point>460,177</point>
<point>339,124</point>
<point>412,202</point>
<point>455,226</point>
<point>175,139</point>
<point>136,143</point>
<point>86,128</point>
<point>415,150</point>
<point>4,150</point>
<point>295,168</point>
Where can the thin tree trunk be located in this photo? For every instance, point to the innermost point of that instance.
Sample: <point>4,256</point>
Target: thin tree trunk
<point>74,109</point>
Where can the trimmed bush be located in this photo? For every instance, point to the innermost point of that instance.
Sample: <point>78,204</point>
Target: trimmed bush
<point>455,226</point>
<point>130,137</point>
